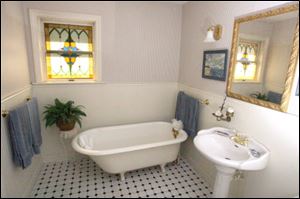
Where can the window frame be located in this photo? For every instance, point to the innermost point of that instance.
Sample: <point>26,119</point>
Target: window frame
<point>37,20</point>
<point>258,61</point>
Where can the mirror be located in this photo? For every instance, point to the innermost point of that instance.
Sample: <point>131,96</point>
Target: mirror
<point>264,53</point>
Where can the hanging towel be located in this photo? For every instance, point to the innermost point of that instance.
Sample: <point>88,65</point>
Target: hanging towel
<point>187,110</point>
<point>34,117</point>
<point>85,141</point>
<point>274,97</point>
<point>20,136</point>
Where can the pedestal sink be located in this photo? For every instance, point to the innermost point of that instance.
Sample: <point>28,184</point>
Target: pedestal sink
<point>228,156</point>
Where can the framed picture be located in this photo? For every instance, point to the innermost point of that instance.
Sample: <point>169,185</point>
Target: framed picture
<point>214,64</point>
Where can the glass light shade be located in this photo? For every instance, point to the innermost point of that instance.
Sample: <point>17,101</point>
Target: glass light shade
<point>210,36</point>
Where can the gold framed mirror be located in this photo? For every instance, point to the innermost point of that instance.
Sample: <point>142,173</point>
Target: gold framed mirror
<point>264,54</point>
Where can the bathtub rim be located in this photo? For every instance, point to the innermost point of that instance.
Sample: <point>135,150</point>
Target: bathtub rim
<point>181,138</point>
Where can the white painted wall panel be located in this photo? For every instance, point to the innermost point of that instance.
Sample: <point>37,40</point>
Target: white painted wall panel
<point>16,182</point>
<point>105,105</point>
<point>14,60</point>
<point>140,40</point>
<point>15,80</point>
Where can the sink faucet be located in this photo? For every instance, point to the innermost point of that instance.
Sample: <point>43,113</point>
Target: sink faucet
<point>240,139</point>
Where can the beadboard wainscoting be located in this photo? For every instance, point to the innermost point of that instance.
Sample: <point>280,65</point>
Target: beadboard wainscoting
<point>105,105</point>
<point>16,182</point>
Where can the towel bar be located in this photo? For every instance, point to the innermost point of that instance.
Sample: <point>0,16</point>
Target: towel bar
<point>206,102</point>
<point>4,113</point>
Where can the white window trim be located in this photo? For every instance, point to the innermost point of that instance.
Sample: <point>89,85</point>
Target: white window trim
<point>38,18</point>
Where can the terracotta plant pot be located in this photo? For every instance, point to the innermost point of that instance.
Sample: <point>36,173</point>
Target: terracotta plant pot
<point>65,126</point>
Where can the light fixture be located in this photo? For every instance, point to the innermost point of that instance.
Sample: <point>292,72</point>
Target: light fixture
<point>214,33</point>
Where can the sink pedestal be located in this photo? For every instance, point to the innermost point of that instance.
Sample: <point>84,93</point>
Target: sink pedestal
<point>222,182</point>
<point>228,156</point>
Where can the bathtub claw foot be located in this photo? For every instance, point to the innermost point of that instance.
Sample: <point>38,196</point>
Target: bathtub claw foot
<point>177,161</point>
<point>122,176</point>
<point>162,167</point>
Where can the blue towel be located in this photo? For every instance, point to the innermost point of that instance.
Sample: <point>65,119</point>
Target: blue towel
<point>34,117</point>
<point>187,110</point>
<point>274,97</point>
<point>20,136</point>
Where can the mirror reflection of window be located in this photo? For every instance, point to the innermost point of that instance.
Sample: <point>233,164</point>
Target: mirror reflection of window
<point>247,66</point>
<point>265,49</point>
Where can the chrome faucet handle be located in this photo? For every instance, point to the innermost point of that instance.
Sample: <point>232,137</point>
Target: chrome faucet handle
<point>234,131</point>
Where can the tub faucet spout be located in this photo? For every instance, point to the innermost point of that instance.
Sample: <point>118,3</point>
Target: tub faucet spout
<point>175,133</point>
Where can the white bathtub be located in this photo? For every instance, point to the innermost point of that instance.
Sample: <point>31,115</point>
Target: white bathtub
<point>118,149</point>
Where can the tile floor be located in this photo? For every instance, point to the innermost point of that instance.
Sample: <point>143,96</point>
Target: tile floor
<point>84,179</point>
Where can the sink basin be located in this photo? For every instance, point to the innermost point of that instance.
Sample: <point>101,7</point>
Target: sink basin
<point>228,156</point>
<point>216,145</point>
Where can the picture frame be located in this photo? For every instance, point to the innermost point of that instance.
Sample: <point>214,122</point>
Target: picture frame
<point>215,64</point>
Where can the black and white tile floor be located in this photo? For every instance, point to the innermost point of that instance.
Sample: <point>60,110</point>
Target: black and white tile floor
<point>84,179</point>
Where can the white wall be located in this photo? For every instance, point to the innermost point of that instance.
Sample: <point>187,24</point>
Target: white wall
<point>280,50</point>
<point>15,88</point>
<point>244,88</point>
<point>140,43</point>
<point>14,65</point>
<point>140,40</point>
<point>196,18</point>
<point>16,182</point>
<point>278,131</point>
<point>105,105</point>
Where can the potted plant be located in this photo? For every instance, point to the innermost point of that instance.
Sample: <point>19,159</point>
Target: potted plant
<point>64,115</point>
<point>260,96</point>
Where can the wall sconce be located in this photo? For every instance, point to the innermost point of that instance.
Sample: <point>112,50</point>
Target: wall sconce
<point>214,33</point>
<point>220,115</point>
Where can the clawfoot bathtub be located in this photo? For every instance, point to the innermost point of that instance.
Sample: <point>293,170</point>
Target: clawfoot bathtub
<point>118,149</point>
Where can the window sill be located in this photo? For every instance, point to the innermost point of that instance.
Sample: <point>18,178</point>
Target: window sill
<point>246,82</point>
<point>68,82</point>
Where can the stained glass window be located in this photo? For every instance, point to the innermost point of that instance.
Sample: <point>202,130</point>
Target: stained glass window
<point>69,51</point>
<point>246,67</point>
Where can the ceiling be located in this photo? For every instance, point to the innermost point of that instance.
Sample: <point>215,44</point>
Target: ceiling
<point>176,2</point>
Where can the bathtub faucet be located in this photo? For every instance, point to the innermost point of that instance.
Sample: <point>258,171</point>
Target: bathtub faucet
<point>175,133</point>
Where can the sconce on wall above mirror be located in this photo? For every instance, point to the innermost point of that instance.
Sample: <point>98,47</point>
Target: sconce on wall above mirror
<point>214,33</point>
<point>264,53</point>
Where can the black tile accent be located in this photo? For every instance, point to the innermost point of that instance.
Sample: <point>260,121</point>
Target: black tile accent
<point>82,178</point>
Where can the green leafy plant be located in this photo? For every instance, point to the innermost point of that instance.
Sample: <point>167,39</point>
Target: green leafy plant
<point>64,115</point>
<point>260,96</point>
